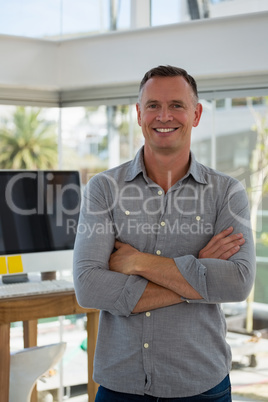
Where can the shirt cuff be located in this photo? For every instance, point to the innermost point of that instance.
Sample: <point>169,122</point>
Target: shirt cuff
<point>130,295</point>
<point>195,274</point>
<point>192,301</point>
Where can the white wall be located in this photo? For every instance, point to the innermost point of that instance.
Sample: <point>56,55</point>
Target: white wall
<point>28,62</point>
<point>221,47</point>
<point>28,71</point>
<point>221,53</point>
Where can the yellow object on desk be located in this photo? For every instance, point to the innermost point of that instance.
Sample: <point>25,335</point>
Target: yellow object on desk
<point>14,263</point>
<point>3,266</point>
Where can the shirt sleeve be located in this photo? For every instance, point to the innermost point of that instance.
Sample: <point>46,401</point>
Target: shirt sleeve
<point>95,285</point>
<point>220,281</point>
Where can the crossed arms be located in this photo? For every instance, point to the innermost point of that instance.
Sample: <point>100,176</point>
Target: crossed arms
<point>166,283</point>
<point>129,281</point>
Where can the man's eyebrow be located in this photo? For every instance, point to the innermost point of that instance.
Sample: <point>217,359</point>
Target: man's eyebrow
<point>178,101</point>
<point>151,101</point>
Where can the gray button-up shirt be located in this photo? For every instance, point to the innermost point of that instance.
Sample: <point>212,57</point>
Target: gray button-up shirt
<point>175,351</point>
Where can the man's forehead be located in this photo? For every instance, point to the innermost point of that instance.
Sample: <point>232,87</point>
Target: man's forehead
<point>163,86</point>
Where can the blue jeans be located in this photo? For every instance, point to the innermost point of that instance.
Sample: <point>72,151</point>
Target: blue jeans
<point>220,393</point>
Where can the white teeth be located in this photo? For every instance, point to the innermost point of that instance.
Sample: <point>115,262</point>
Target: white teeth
<point>165,130</point>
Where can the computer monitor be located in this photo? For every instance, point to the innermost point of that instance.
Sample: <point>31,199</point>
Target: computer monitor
<point>39,213</point>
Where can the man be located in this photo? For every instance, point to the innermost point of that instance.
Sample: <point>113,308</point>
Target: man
<point>162,241</point>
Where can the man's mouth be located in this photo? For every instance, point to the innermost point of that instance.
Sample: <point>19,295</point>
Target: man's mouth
<point>165,130</point>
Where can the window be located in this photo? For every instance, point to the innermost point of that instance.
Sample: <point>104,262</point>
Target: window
<point>220,103</point>
<point>55,19</point>
<point>96,138</point>
<point>163,15</point>
<point>227,139</point>
<point>28,137</point>
<point>239,102</point>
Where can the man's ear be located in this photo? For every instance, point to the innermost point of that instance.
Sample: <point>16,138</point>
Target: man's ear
<point>198,113</point>
<point>138,109</point>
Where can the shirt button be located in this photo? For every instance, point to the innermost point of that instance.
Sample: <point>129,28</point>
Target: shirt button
<point>163,223</point>
<point>158,252</point>
<point>148,314</point>
<point>160,192</point>
<point>146,345</point>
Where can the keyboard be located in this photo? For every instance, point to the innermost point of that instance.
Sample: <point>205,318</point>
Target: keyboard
<point>35,288</point>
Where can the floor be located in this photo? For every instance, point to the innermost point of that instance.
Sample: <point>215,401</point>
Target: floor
<point>251,384</point>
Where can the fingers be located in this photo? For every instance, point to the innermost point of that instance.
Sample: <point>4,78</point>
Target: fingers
<point>230,248</point>
<point>123,246</point>
<point>223,250</point>
<point>223,245</point>
<point>227,254</point>
<point>219,236</point>
<point>118,244</point>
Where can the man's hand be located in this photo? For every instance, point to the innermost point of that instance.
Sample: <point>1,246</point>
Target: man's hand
<point>166,284</point>
<point>223,245</point>
<point>125,259</point>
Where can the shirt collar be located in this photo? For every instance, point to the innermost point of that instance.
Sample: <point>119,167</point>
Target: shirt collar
<point>196,170</point>
<point>137,166</point>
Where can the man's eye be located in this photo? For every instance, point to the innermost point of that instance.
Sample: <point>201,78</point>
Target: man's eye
<point>176,106</point>
<point>152,106</point>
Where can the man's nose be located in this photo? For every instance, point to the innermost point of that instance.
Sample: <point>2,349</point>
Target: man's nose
<point>164,115</point>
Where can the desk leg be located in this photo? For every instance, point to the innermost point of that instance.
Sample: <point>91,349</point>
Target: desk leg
<point>30,333</point>
<point>30,340</point>
<point>4,361</point>
<point>92,331</point>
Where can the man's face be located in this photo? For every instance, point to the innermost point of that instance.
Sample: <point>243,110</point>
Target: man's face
<point>166,113</point>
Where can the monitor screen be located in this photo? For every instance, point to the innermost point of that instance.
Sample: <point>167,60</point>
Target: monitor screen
<point>39,213</point>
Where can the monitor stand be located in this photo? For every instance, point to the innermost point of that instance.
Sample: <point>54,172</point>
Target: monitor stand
<point>18,278</point>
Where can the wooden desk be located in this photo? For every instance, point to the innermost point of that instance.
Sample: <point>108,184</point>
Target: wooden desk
<point>28,309</point>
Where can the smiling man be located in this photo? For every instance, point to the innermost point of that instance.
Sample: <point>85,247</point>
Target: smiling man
<point>168,108</point>
<point>179,243</point>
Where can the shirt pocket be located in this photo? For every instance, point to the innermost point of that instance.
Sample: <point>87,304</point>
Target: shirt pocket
<point>194,231</point>
<point>131,228</point>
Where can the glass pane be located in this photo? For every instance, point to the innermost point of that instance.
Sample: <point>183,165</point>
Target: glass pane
<point>221,8</point>
<point>163,15</point>
<point>173,11</point>
<point>240,129</point>
<point>28,137</point>
<point>97,138</point>
<point>220,103</point>
<point>90,17</point>
<point>202,135</point>
<point>84,17</point>
<point>53,19</point>
<point>33,18</point>
<point>123,14</point>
